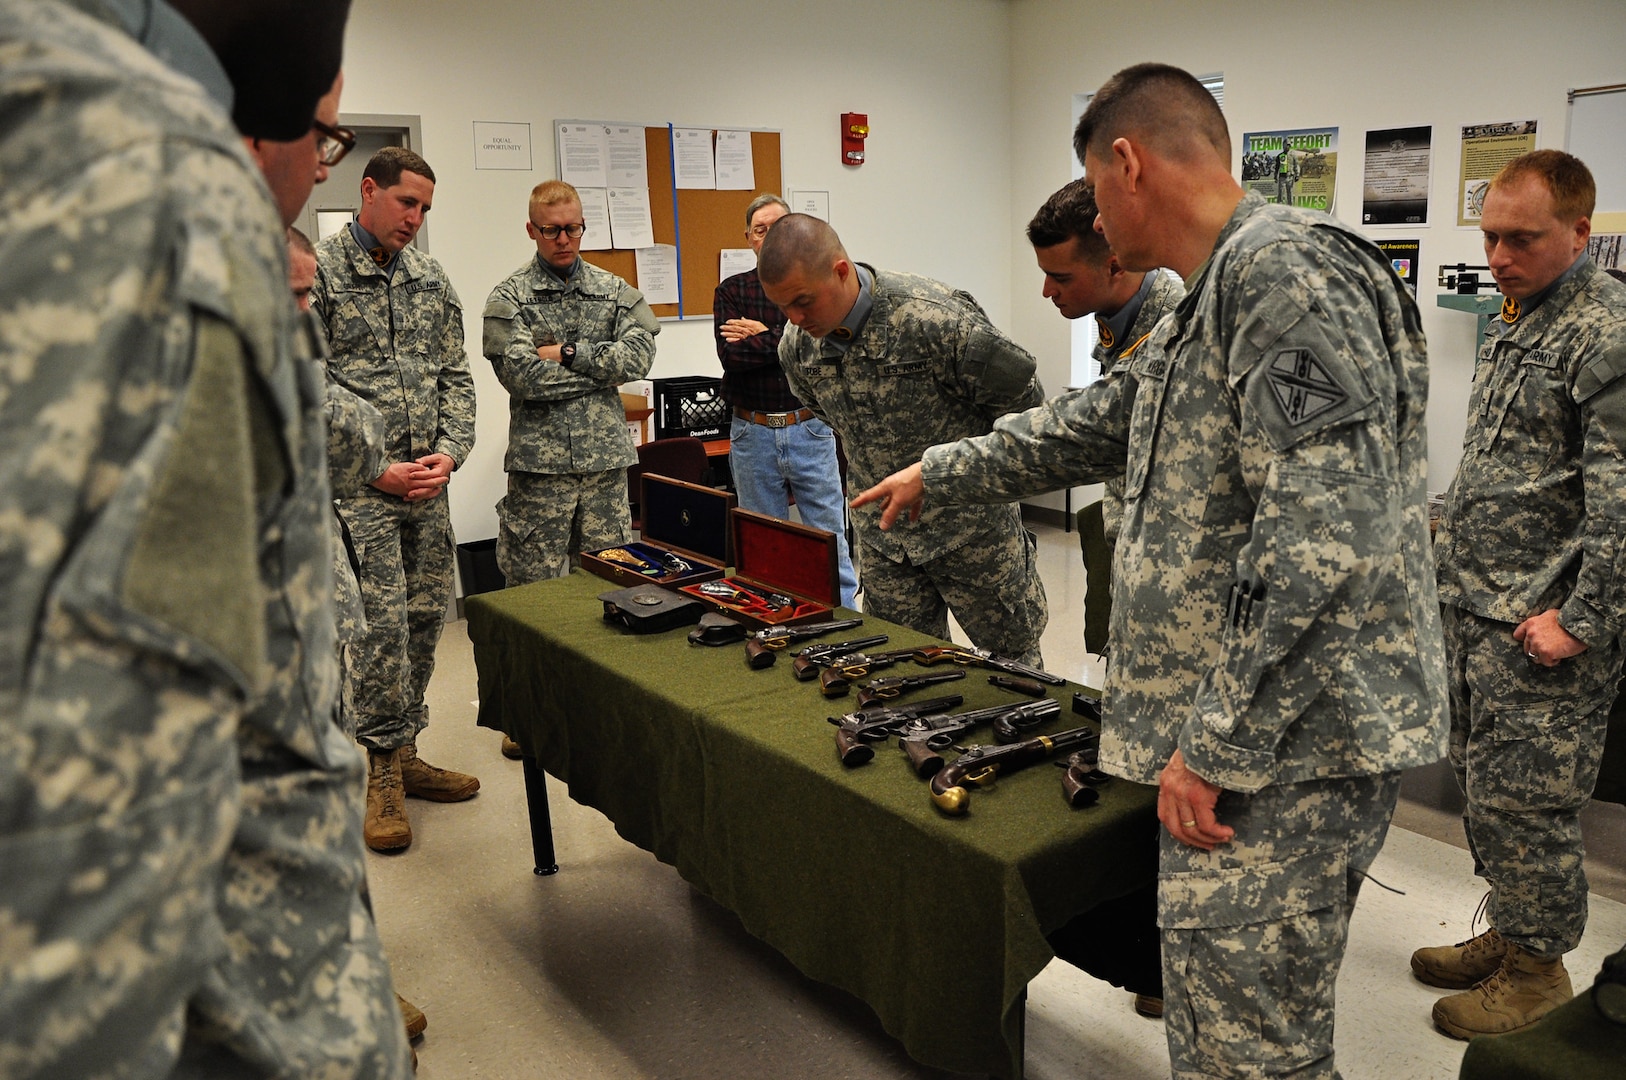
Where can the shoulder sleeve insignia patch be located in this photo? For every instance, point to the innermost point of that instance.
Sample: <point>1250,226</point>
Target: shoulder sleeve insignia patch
<point>1302,385</point>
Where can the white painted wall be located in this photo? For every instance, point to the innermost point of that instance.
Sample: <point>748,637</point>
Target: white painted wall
<point>969,106</point>
<point>1373,64</point>
<point>934,76</point>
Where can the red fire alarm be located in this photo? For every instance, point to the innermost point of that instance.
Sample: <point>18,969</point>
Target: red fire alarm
<point>854,130</point>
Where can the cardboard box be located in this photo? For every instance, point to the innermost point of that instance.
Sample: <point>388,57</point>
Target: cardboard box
<point>798,562</point>
<point>685,520</point>
<point>638,412</point>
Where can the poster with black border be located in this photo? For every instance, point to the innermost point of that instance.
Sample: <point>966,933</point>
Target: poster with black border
<point>1406,258</point>
<point>1394,187</point>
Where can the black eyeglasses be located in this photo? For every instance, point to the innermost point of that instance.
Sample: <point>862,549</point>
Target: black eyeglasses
<point>551,232</point>
<point>335,142</point>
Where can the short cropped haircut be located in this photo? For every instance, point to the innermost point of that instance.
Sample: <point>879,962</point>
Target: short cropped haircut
<point>759,202</point>
<point>1069,214</point>
<point>388,164</point>
<point>300,242</point>
<point>798,242</point>
<point>1570,182</point>
<point>1157,104</point>
<point>552,193</point>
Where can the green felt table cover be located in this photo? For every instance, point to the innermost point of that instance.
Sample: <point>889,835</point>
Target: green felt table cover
<point>730,775</point>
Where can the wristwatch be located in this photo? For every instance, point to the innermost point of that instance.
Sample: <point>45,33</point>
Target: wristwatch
<point>567,354</point>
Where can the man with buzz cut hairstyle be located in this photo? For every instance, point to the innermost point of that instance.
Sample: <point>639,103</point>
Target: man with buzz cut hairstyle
<point>778,450</point>
<point>562,335</point>
<point>1083,277</point>
<point>394,326</point>
<point>1532,573</point>
<point>895,362</point>
<point>1276,654</point>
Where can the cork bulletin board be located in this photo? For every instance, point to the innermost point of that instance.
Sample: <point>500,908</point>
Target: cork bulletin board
<point>699,222</point>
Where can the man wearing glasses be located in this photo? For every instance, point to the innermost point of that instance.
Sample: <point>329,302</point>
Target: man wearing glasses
<point>395,328</point>
<point>562,334</point>
<point>778,449</point>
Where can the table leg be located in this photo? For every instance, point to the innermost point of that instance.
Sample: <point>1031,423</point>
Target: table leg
<point>536,802</point>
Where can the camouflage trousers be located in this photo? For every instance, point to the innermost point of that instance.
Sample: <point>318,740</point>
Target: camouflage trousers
<point>304,988</point>
<point>406,552</point>
<point>1254,931</point>
<point>546,520</point>
<point>1526,743</point>
<point>991,584</point>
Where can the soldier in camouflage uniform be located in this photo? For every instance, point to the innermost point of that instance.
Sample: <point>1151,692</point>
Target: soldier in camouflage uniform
<point>562,334</point>
<point>183,868</point>
<point>395,329</point>
<point>1082,277</point>
<point>1277,658</point>
<point>896,362</point>
<point>1533,577</point>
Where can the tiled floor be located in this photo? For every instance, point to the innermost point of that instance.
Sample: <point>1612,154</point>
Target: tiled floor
<point>615,968</point>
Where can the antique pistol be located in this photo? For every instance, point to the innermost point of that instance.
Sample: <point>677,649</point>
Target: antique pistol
<point>763,647</point>
<point>1080,777</point>
<point>856,730</point>
<point>970,657</point>
<point>839,673</point>
<point>981,764</point>
<point>922,739</point>
<point>737,594</point>
<point>810,659</point>
<point>877,691</point>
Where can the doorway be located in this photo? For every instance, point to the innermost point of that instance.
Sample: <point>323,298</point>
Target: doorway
<point>332,204</point>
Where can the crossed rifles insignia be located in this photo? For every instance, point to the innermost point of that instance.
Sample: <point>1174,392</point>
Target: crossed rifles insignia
<point>1302,385</point>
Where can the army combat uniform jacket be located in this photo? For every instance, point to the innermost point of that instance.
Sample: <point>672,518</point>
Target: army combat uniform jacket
<point>1165,292</point>
<point>179,821</point>
<point>568,420</point>
<point>398,344</point>
<point>926,367</point>
<point>1536,517</point>
<point>1274,438</point>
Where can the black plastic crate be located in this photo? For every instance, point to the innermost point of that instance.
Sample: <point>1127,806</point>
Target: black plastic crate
<point>691,405</point>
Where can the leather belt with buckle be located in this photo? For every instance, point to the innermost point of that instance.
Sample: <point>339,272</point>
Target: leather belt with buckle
<point>775,419</point>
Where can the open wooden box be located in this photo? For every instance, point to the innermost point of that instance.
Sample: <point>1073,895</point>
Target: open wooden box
<point>795,561</point>
<point>685,520</point>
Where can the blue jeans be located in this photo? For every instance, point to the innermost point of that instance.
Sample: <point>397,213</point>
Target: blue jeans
<point>772,464</point>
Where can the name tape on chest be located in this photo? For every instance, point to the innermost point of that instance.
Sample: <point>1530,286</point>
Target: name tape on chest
<point>1303,386</point>
<point>907,367</point>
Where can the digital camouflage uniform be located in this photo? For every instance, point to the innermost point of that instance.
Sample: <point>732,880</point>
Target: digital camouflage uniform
<point>1535,520</point>
<point>927,367</point>
<point>1166,291</point>
<point>180,823</point>
<point>568,444</point>
<point>397,343</point>
<point>355,458</point>
<point>1273,430</point>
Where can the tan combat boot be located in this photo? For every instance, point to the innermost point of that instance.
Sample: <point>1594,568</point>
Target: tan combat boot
<point>1457,967</point>
<point>386,827</point>
<point>425,781</point>
<point>412,1016</point>
<point>1523,990</point>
